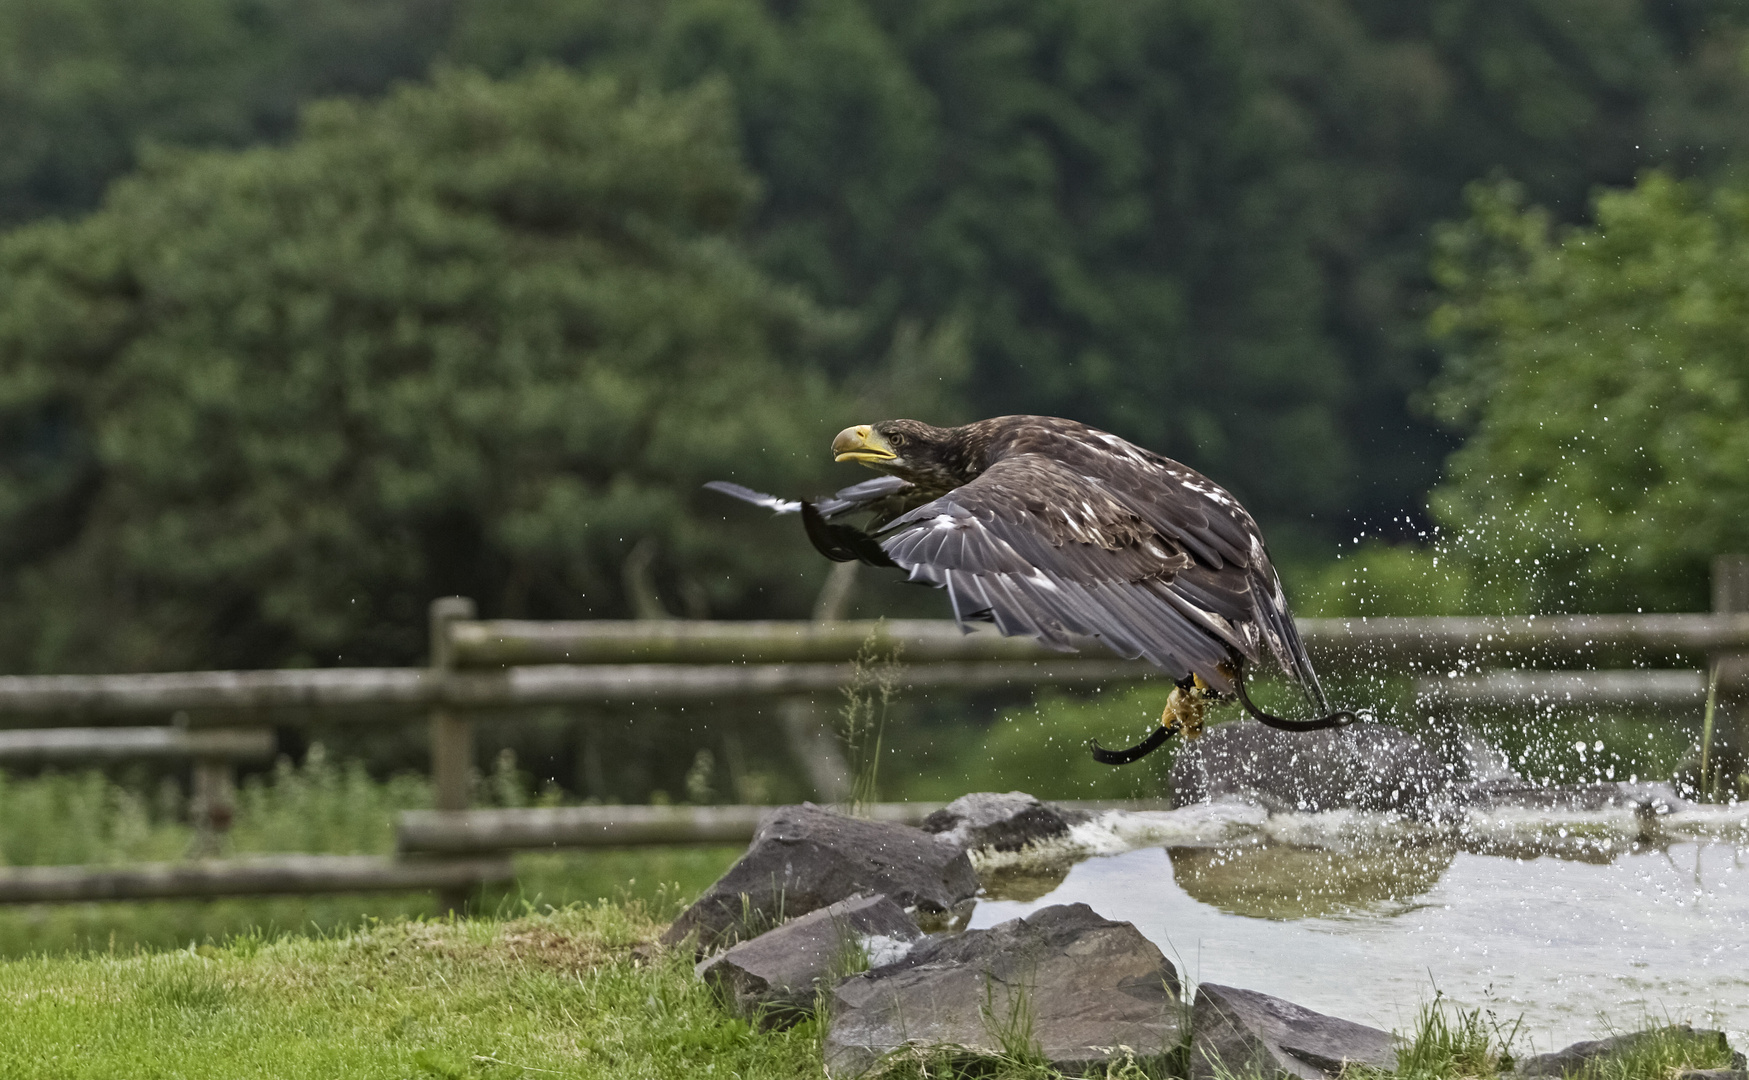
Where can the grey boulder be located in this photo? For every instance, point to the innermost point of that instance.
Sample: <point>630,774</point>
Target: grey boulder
<point>1001,822</point>
<point>1573,1058</point>
<point>775,977</point>
<point>1063,982</point>
<point>1360,767</point>
<point>1246,1033</point>
<point>804,858</point>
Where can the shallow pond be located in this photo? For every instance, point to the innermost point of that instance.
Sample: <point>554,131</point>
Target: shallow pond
<point>1576,948</point>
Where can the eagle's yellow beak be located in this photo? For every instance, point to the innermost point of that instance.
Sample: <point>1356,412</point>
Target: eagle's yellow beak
<point>861,443</point>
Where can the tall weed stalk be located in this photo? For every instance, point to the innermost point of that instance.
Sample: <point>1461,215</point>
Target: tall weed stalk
<point>874,679</point>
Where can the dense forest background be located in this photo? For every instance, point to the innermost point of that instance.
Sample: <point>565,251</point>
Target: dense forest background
<point>311,311</point>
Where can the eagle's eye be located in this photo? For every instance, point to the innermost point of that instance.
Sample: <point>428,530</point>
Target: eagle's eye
<point>898,438</point>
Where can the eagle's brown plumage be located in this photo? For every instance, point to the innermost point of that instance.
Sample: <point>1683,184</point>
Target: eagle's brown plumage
<point>1052,529</point>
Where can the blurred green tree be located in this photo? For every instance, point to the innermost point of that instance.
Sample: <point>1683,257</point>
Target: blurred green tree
<point>84,84</point>
<point>480,337</point>
<point>1202,224</point>
<point>1602,373</point>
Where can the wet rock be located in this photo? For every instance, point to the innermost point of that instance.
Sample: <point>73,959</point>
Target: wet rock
<point>1246,1033</point>
<point>1360,767</point>
<point>775,977</point>
<point>1080,989</point>
<point>805,857</point>
<point>1001,822</point>
<point>1577,1056</point>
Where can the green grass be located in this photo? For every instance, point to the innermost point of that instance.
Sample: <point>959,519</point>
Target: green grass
<point>551,994</point>
<point>564,992</point>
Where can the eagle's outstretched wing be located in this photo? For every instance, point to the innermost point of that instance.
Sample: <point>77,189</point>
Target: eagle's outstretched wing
<point>1142,553</point>
<point>1093,540</point>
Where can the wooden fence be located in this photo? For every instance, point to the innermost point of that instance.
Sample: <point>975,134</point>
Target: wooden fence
<point>478,666</point>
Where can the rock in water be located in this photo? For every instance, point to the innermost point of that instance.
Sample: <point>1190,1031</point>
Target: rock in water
<point>1245,1033</point>
<point>1360,767</point>
<point>775,977</point>
<point>1079,989</point>
<point>1001,822</point>
<point>1575,1057</point>
<point>805,857</point>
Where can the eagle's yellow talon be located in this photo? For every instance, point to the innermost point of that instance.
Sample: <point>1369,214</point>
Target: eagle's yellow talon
<point>1185,708</point>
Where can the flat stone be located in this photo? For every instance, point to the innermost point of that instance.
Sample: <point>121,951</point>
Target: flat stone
<point>775,978</point>
<point>1079,989</point>
<point>1359,767</point>
<point>804,858</point>
<point>1575,1057</point>
<point>1001,822</point>
<point>1246,1033</point>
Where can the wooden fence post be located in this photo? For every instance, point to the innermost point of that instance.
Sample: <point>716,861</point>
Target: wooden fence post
<point>213,802</point>
<point>452,733</point>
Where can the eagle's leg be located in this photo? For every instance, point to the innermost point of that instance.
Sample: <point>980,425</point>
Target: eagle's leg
<point>1186,707</point>
<point>1183,715</point>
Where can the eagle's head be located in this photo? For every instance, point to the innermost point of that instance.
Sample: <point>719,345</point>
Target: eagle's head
<point>931,457</point>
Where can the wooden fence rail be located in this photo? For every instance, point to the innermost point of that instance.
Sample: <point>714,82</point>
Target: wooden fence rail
<point>268,875</point>
<point>1577,640</point>
<point>118,744</point>
<point>374,694</point>
<point>471,832</point>
<point>1589,689</point>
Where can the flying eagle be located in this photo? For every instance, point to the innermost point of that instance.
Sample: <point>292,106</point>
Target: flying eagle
<point>1051,529</point>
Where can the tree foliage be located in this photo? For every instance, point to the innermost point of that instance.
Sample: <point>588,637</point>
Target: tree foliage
<point>480,337</point>
<point>1603,374</point>
<point>1200,223</point>
<point>85,85</point>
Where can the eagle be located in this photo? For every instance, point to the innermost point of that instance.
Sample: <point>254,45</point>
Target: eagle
<point>1057,531</point>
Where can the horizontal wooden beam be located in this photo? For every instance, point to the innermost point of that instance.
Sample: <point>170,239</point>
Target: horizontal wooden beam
<point>131,743</point>
<point>455,832</point>
<point>367,694</point>
<point>1562,688</point>
<point>1584,640</point>
<point>1581,641</point>
<point>934,654</point>
<point>261,694</point>
<point>268,875</point>
<point>509,642</point>
<point>462,832</point>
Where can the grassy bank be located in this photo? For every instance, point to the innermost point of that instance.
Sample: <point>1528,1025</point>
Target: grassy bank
<point>558,993</point>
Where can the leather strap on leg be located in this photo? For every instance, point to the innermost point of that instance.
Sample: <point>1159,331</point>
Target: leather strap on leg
<point>1135,753</point>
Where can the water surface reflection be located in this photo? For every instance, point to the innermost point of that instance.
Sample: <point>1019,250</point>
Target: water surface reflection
<point>1572,946</point>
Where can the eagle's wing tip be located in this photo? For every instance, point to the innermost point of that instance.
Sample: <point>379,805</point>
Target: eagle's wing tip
<point>757,498</point>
